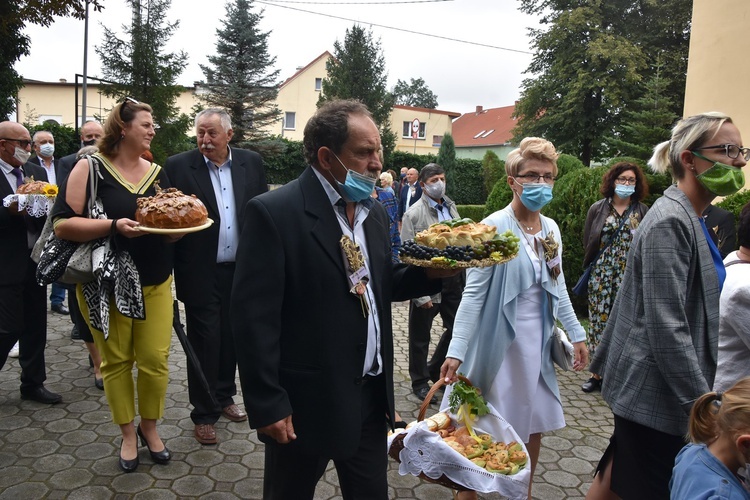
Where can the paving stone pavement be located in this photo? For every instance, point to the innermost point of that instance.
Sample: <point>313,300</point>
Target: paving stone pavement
<point>69,450</point>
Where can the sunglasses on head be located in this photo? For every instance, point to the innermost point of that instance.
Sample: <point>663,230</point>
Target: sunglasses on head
<point>125,101</point>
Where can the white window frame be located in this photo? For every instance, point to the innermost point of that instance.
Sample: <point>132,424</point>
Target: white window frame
<point>318,84</point>
<point>293,114</point>
<point>422,130</point>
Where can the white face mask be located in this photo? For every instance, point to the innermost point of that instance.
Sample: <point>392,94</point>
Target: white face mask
<point>21,155</point>
<point>435,190</point>
<point>47,150</point>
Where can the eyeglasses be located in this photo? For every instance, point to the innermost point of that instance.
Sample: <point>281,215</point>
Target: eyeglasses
<point>626,180</point>
<point>731,150</point>
<point>23,142</point>
<point>533,177</point>
<point>125,101</point>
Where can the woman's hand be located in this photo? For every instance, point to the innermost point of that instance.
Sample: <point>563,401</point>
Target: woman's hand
<point>128,228</point>
<point>449,369</point>
<point>581,356</point>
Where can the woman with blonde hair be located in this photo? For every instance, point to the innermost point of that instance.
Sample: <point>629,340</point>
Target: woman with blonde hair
<point>658,350</point>
<point>504,326</point>
<point>717,462</point>
<point>386,182</point>
<point>124,177</point>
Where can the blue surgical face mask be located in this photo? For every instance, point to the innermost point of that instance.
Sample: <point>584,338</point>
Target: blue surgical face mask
<point>47,150</point>
<point>624,191</point>
<point>535,195</point>
<point>356,187</point>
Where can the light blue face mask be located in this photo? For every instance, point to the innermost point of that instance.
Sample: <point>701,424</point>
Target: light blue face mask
<point>356,187</point>
<point>624,191</point>
<point>535,196</point>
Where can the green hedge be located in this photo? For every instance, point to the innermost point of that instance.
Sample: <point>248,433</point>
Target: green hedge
<point>574,193</point>
<point>473,212</point>
<point>466,182</point>
<point>285,162</point>
<point>735,202</point>
<point>568,163</point>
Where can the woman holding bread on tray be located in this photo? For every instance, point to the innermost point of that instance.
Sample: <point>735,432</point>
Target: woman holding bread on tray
<point>503,333</point>
<point>124,340</point>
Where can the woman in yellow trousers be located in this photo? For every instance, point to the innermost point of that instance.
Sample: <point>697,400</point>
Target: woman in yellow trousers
<point>126,176</point>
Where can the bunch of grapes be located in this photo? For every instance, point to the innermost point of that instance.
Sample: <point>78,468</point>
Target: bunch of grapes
<point>505,244</point>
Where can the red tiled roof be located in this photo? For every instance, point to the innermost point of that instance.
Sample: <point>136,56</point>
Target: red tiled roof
<point>301,70</point>
<point>428,110</point>
<point>484,127</point>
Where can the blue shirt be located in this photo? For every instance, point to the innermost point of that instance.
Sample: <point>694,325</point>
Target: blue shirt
<point>698,474</point>
<point>229,231</point>
<point>443,213</point>
<point>715,255</point>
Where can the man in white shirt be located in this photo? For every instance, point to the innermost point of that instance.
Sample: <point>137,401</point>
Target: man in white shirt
<point>44,147</point>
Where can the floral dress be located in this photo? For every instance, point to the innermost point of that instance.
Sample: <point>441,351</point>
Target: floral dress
<point>607,273</point>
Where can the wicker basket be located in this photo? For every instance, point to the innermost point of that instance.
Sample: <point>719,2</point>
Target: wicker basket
<point>398,442</point>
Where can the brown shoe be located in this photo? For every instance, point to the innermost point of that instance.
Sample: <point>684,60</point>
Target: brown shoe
<point>234,413</point>
<point>205,434</point>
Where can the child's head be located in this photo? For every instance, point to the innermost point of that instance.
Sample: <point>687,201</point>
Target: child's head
<point>725,414</point>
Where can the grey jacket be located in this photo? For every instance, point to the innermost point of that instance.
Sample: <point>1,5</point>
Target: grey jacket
<point>419,217</point>
<point>659,349</point>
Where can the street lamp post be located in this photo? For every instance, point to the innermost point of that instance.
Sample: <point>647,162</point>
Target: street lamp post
<point>85,69</point>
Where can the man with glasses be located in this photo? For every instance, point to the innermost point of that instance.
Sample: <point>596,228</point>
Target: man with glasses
<point>23,308</point>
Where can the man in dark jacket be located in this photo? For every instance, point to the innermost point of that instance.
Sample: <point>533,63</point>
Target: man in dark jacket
<point>311,313</point>
<point>224,179</point>
<point>23,308</point>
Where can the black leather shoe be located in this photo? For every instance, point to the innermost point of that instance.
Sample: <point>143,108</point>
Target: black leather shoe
<point>127,465</point>
<point>592,384</point>
<point>421,393</point>
<point>41,395</point>
<point>160,457</point>
<point>75,334</point>
<point>60,309</point>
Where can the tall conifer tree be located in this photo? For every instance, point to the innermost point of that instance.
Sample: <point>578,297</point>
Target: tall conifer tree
<point>241,78</point>
<point>139,69</point>
<point>357,71</point>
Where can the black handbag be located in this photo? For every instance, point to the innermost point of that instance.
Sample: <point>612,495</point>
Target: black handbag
<point>581,287</point>
<point>62,260</point>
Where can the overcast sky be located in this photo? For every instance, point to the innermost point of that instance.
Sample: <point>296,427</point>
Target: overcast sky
<point>463,75</point>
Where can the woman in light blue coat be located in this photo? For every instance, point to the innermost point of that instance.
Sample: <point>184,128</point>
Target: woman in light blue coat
<point>503,332</point>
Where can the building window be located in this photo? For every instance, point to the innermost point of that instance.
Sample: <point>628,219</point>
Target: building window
<point>290,120</point>
<point>437,140</point>
<point>318,84</point>
<point>50,119</point>
<point>406,134</point>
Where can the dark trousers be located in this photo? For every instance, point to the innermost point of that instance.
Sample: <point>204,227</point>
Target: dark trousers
<point>23,318</point>
<point>210,334</point>
<point>420,323</point>
<point>292,474</point>
<point>57,294</point>
<point>75,315</point>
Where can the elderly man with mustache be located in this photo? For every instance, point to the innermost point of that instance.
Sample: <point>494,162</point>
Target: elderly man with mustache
<point>225,179</point>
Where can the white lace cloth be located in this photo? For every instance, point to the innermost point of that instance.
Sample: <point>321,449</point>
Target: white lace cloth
<point>36,205</point>
<point>425,451</point>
